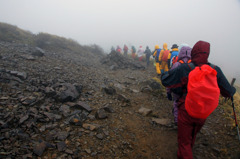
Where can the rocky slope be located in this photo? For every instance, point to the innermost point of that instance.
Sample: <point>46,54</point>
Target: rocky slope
<point>65,104</point>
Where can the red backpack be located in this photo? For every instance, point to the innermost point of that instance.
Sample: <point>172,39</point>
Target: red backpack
<point>203,91</point>
<point>165,55</point>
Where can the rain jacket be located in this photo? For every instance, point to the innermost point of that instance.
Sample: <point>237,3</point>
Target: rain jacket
<point>174,53</point>
<point>156,53</point>
<point>161,53</point>
<point>177,79</point>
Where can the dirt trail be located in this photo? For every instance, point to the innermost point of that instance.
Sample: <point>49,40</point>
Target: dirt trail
<point>122,133</point>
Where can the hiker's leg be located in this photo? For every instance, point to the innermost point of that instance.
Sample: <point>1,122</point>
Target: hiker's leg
<point>158,68</point>
<point>175,111</point>
<point>185,131</point>
<point>198,125</point>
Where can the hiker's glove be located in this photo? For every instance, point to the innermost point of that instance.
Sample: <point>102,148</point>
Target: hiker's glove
<point>169,96</point>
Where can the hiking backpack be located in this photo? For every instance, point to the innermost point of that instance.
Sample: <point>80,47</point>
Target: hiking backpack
<point>174,60</point>
<point>157,55</point>
<point>203,91</point>
<point>165,55</point>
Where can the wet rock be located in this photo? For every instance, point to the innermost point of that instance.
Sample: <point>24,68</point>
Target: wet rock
<point>100,136</point>
<point>144,111</point>
<point>65,110</point>
<point>83,106</point>
<point>62,135</point>
<point>38,52</point>
<point>109,90</point>
<point>39,148</point>
<point>66,92</point>
<point>24,118</point>
<point>52,116</point>
<point>75,120</point>
<point>108,109</point>
<point>164,122</point>
<point>21,75</point>
<point>123,98</point>
<point>61,146</point>
<point>90,126</point>
<point>50,92</point>
<point>101,114</point>
<point>28,100</point>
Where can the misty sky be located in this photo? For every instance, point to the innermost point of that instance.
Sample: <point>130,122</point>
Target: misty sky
<point>136,22</point>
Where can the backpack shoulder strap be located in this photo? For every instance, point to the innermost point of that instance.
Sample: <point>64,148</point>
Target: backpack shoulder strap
<point>191,66</point>
<point>212,65</point>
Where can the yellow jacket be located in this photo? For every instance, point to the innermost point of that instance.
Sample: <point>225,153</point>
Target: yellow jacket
<point>155,52</point>
<point>161,53</point>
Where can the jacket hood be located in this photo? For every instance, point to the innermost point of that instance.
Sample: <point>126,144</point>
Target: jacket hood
<point>185,53</point>
<point>183,44</point>
<point>200,53</point>
<point>165,46</point>
<point>157,47</point>
<point>175,49</point>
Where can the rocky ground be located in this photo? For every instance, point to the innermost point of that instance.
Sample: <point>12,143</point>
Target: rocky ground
<point>68,105</point>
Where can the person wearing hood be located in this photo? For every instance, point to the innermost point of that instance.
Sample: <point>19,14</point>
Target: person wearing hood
<point>148,54</point>
<point>164,58</point>
<point>156,54</point>
<point>174,53</point>
<point>133,52</point>
<point>125,50</point>
<point>119,49</point>
<point>184,56</point>
<point>140,53</point>
<point>177,80</point>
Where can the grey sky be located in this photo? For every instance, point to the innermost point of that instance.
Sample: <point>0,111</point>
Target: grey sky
<point>136,22</point>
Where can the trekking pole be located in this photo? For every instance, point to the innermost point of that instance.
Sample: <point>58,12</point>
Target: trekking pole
<point>235,119</point>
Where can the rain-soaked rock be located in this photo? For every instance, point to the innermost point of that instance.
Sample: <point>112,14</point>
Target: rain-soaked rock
<point>164,122</point>
<point>28,100</point>
<point>101,114</point>
<point>62,135</point>
<point>82,106</point>
<point>39,148</point>
<point>66,92</point>
<point>100,136</point>
<point>144,111</point>
<point>38,52</point>
<point>123,98</point>
<point>118,61</point>
<point>24,118</point>
<point>108,109</point>
<point>90,126</point>
<point>61,146</point>
<point>75,120</point>
<point>65,110</point>
<point>109,90</point>
<point>52,116</point>
<point>21,75</point>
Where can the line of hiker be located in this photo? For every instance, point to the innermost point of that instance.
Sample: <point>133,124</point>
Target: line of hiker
<point>135,54</point>
<point>196,85</point>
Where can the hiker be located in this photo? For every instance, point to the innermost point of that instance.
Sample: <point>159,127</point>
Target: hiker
<point>156,54</point>
<point>164,58</point>
<point>184,56</point>
<point>112,49</point>
<point>174,54</point>
<point>148,54</point>
<point>133,52</point>
<point>125,50</point>
<point>178,80</point>
<point>175,58</point>
<point>140,53</point>
<point>119,49</point>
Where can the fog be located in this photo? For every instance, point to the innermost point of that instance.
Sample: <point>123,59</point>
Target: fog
<point>136,22</point>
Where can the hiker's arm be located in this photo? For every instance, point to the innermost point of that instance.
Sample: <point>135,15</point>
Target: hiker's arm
<point>226,89</point>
